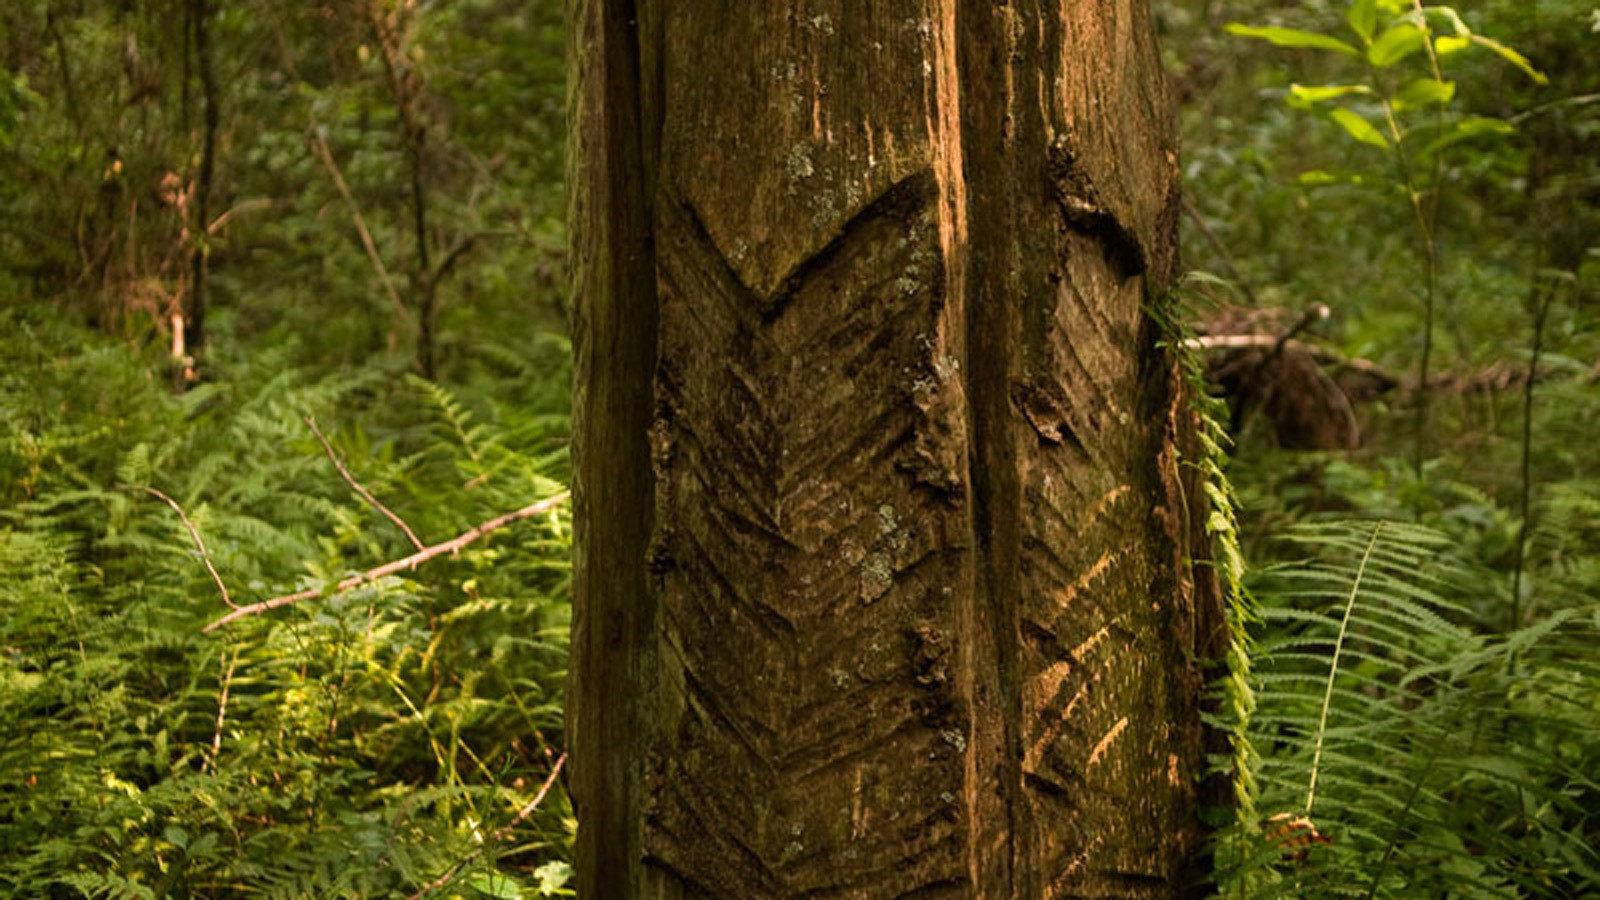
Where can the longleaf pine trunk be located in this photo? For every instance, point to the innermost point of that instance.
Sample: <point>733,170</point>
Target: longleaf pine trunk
<point>880,581</point>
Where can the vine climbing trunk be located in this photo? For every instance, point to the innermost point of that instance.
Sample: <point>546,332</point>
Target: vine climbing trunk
<point>881,580</point>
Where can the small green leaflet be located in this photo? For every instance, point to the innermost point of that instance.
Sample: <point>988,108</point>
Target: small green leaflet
<point>1358,128</point>
<point>1363,18</point>
<point>1396,44</point>
<point>495,885</point>
<point>1466,129</point>
<point>1303,96</point>
<point>1292,37</point>
<point>1511,56</point>
<point>553,877</point>
<point>1424,91</point>
<point>1321,177</point>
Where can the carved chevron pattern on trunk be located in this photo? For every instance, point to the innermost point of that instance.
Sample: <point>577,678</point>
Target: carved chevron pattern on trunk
<point>1096,599</point>
<point>814,445</point>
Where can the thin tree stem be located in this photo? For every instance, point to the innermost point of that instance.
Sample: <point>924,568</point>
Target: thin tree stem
<point>195,323</point>
<point>222,710</point>
<point>1525,500</point>
<point>319,146</point>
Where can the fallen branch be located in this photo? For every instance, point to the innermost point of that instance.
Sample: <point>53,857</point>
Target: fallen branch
<point>205,555</point>
<point>451,546</point>
<point>356,485</point>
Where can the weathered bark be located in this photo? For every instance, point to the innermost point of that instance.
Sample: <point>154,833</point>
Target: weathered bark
<point>880,583</point>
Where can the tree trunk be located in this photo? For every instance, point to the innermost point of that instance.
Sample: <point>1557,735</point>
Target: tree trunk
<point>880,584</point>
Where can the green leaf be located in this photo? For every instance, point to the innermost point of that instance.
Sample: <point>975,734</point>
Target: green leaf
<point>1424,91</point>
<point>1511,56</point>
<point>553,876</point>
<point>202,846</point>
<point>1396,44</point>
<point>1359,128</point>
<point>1466,129</point>
<point>1322,178</point>
<point>493,884</point>
<point>1453,18</point>
<point>1363,18</point>
<point>1293,37</point>
<point>1302,96</point>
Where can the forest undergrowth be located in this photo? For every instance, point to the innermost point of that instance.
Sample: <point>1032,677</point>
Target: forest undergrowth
<point>363,743</point>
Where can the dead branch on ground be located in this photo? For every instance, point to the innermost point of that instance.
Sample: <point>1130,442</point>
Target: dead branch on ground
<point>451,546</point>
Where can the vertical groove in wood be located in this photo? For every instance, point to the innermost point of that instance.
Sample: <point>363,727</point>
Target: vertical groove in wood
<point>614,346</point>
<point>1003,840</point>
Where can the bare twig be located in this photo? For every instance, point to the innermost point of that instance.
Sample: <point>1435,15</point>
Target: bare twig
<point>504,833</point>
<point>205,555</point>
<point>453,545</point>
<point>500,834</point>
<point>1316,312</point>
<point>1216,243</point>
<point>462,247</point>
<point>356,485</point>
<point>1553,105</point>
<point>222,710</point>
<point>242,206</point>
<point>319,145</point>
<point>447,877</point>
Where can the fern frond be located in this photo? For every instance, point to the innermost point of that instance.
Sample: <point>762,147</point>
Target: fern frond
<point>1389,722</point>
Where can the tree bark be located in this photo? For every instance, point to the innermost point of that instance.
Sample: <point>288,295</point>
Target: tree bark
<point>880,581</point>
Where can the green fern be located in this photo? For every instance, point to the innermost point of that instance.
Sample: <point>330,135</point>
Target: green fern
<point>109,695</point>
<point>1236,688</point>
<point>1395,760</point>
